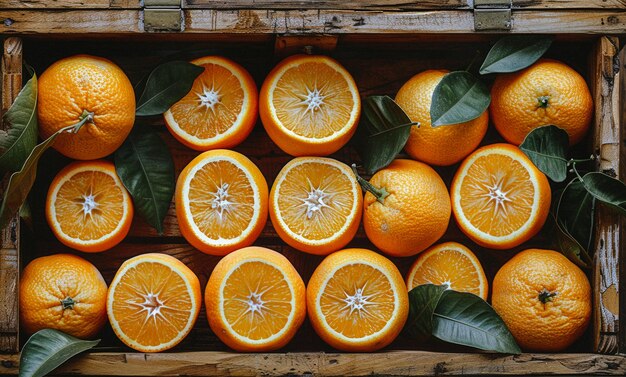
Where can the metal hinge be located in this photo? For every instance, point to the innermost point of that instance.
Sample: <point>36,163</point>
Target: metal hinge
<point>492,15</point>
<point>162,15</point>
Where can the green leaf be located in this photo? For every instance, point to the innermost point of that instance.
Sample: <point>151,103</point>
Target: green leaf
<point>609,191</point>
<point>466,319</point>
<point>166,85</point>
<point>146,168</point>
<point>382,132</point>
<point>21,138</point>
<point>566,244</point>
<point>22,181</point>
<point>546,146</point>
<point>575,212</point>
<point>423,300</point>
<point>511,54</point>
<point>459,97</point>
<point>47,349</point>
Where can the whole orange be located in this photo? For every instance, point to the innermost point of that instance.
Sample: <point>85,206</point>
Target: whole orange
<point>86,87</point>
<point>547,92</point>
<point>63,292</point>
<point>443,145</point>
<point>415,212</point>
<point>544,299</point>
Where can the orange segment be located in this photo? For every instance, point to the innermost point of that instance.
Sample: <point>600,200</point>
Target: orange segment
<point>450,264</point>
<point>87,206</point>
<point>153,302</point>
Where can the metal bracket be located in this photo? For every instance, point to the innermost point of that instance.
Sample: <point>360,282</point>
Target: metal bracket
<point>492,15</point>
<point>162,16</point>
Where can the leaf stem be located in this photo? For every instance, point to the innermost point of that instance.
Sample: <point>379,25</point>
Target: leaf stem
<point>85,117</point>
<point>379,193</point>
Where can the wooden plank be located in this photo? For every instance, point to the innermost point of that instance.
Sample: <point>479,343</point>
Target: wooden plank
<point>75,4</point>
<point>569,4</point>
<point>608,234</point>
<point>622,273</point>
<point>9,236</point>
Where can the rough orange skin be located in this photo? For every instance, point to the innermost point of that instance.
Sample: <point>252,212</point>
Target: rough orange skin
<point>515,101</point>
<point>78,83</point>
<point>549,327</point>
<point>47,280</point>
<point>444,145</point>
<point>414,215</point>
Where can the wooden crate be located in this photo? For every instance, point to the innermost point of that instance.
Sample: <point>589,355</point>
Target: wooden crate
<point>382,43</point>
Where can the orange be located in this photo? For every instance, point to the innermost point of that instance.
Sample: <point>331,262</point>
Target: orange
<point>450,264</point>
<point>544,299</point>
<point>221,202</point>
<point>443,145</point>
<point>316,204</point>
<point>89,89</point>
<point>547,92</point>
<point>63,292</point>
<point>357,300</point>
<point>88,207</point>
<point>255,300</point>
<point>499,198</point>
<point>412,214</point>
<point>153,302</point>
<point>219,111</point>
<point>309,105</point>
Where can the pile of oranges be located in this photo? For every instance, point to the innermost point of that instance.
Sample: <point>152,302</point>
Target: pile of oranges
<point>356,300</point>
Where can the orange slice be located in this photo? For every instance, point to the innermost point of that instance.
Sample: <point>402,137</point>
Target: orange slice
<point>357,300</point>
<point>87,206</point>
<point>450,264</point>
<point>499,198</point>
<point>153,302</point>
<point>255,300</point>
<point>316,204</point>
<point>309,105</point>
<point>221,202</point>
<point>219,111</point>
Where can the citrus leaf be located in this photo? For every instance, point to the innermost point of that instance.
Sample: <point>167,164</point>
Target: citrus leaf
<point>47,349</point>
<point>466,319</point>
<point>21,138</point>
<point>607,190</point>
<point>566,244</point>
<point>575,212</point>
<point>146,168</point>
<point>166,85</point>
<point>546,147</point>
<point>382,132</point>
<point>511,54</point>
<point>423,300</point>
<point>22,181</point>
<point>459,97</point>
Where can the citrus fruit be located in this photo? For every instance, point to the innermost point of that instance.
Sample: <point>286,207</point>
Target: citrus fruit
<point>408,210</point>
<point>153,302</point>
<point>221,201</point>
<point>255,300</point>
<point>499,198</point>
<point>443,145</point>
<point>309,105</point>
<point>451,264</point>
<point>87,89</point>
<point>546,93</point>
<point>219,111</point>
<point>357,300</point>
<point>544,299</point>
<point>88,207</point>
<point>316,204</point>
<point>63,292</point>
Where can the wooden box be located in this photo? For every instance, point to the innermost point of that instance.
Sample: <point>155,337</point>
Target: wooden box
<point>382,43</point>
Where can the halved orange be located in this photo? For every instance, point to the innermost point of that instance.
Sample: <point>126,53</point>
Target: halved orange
<point>255,300</point>
<point>499,198</point>
<point>219,111</point>
<point>153,302</point>
<point>316,204</point>
<point>357,300</point>
<point>309,105</point>
<point>88,207</point>
<point>451,264</point>
<point>221,201</point>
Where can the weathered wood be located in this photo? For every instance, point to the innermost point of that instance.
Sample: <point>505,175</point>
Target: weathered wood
<point>9,236</point>
<point>622,273</point>
<point>608,233</point>
<point>75,4</point>
<point>314,44</point>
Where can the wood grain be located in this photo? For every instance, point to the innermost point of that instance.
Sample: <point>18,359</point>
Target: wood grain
<point>75,4</point>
